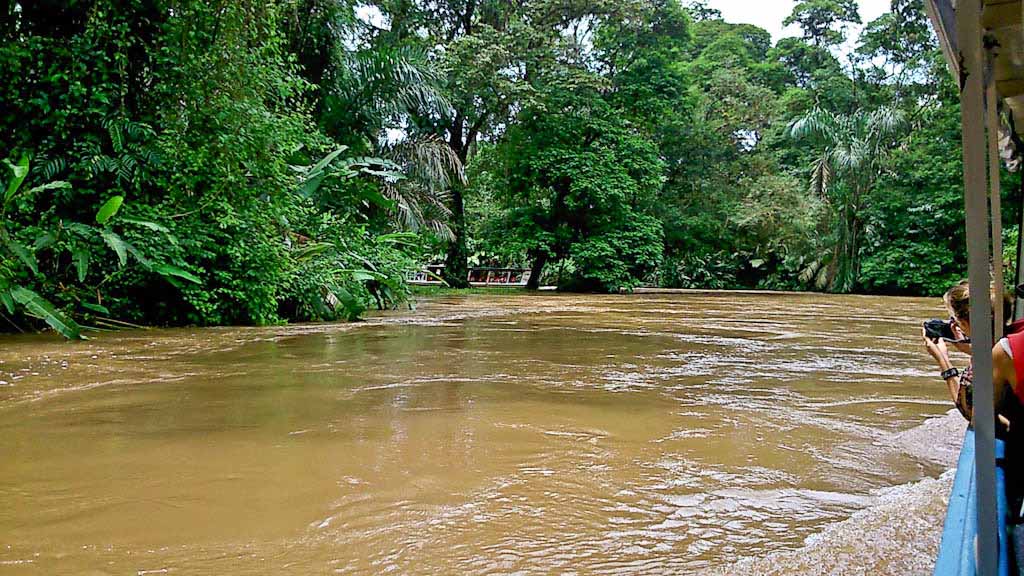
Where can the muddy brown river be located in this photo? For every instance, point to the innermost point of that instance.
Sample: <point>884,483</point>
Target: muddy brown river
<point>647,434</point>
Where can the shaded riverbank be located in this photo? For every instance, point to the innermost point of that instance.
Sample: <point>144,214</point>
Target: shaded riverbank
<point>485,434</point>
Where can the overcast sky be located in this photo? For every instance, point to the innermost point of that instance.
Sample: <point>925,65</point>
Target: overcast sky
<point>769,14</point>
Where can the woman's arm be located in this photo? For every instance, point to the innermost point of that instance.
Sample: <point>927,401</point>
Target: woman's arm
<point>938,351</point>
<point>1004,374</point>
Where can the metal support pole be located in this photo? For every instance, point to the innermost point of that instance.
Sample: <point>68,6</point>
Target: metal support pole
<point>968,20</point>
<point>995,200</point>
<point>942,14</point>
<point>1018,303</point>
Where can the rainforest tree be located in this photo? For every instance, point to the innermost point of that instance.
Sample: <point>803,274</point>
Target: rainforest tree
<point>182,162</point>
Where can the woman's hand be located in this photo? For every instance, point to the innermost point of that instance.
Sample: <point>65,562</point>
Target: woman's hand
<point>964,347</point>
<point>937,349</point>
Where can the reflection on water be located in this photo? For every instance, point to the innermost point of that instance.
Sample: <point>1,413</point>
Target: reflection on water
<point>488,434</point>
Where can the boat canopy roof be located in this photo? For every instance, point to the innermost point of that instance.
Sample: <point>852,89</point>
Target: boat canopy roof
<point>1002,22</point>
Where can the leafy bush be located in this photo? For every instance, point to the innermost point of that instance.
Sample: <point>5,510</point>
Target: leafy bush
<point>617,259</point>
<point>906,267</point>
<point>713,270</point>
<point>65,255</point>
<point>190,135</point>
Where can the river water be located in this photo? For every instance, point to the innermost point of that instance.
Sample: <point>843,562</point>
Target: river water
<point>653,434</point>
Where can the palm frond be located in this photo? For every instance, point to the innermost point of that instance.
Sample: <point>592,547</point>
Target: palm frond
<point>417,208</point>
<point>887,123</point>
<point>816,124</point>
<point>421,199</point>
<point>390,82</point>
<point>430,160</point>
<point>850,157</point>
<point>821,279</point>
<point>851,149</point>
<point>808,274</point>
<point>821,176</point>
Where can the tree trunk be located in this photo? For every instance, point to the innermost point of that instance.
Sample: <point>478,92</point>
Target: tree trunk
<point>854,253</point>
<point>855,239</point>
<point>456,267</point>
<point>538,266</point>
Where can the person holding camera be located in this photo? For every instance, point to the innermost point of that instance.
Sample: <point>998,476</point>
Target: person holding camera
<point>939,334</point>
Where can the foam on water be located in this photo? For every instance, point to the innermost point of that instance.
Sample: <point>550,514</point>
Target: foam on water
<point>897,534</point>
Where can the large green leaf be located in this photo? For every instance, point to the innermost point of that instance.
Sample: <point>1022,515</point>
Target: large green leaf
<point>80,255</point>
<point>20,171</point>
<point>314,175</point>
<point>109,208</point>
<point>146,263</point>
<point>371,196</point>
<point>56,185</point>
<point>383,173</point>
<point>326,160</point>
<point>6,299</point>
<point>117,244</point>
<point>401,238</point>
<point>98,308</point>
<point>168,270</point>
<point>154,227</point>
<point>313,249</point>
<point>147,224</point>
<point>35,305</point>
<point>353,307</point>
<point>311,185</point>
<point>23,254</point>
<point>80,229</point>
<point>362,275</point>
<point>44,241</point>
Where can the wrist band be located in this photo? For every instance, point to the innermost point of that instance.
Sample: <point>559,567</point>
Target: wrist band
<point>951,373</point>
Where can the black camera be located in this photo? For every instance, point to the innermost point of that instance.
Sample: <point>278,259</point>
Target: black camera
<point>935,329</point>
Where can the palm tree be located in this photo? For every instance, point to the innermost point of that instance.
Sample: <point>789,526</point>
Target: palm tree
<point>374,96</point>
<point>375,88</point>
<point>852,151</point>
<point>422,198</point>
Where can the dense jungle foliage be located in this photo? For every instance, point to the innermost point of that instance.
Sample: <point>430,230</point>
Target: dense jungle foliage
<point>253,162</point>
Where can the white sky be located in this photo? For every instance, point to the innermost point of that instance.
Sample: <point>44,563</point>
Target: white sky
<point>769,14</point>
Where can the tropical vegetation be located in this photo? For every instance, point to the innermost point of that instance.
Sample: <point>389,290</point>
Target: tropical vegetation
<point>174,162</point>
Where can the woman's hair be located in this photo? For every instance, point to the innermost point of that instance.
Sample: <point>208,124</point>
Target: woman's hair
<point>958,300</point>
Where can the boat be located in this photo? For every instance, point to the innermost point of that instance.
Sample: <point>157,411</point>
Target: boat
<point>982,43</point>
<point>480,277</point>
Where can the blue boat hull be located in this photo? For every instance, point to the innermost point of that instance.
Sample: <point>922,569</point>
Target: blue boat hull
<point>957,553</point>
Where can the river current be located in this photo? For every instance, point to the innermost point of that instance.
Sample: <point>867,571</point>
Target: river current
<point>487,434</point>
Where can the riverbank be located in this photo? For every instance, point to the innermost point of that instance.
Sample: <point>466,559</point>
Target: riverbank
<point>426,291</point>
<point>422,293</point>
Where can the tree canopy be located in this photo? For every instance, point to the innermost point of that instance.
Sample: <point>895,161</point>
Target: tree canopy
<point>186,162</point>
